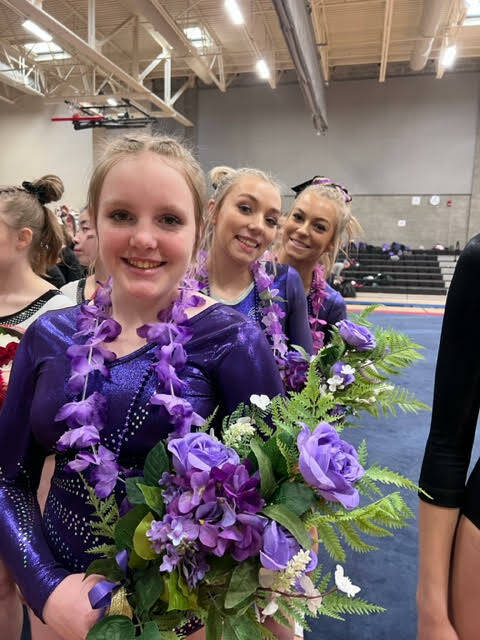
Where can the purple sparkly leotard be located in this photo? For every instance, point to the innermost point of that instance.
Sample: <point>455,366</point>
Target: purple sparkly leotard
<point>228,360</point>
<point>292,302</point>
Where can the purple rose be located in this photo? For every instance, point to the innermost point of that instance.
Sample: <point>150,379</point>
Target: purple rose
<point>279,547</point>
<point>330,464</point>
<point>356,335</point>
<point>200,451</point>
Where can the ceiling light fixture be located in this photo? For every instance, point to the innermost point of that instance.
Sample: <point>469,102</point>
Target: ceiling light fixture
<point>234,12</point>
<point>37,31</point>
<point>448,56</point>
<point>112,102</point>
<point>262,69</point>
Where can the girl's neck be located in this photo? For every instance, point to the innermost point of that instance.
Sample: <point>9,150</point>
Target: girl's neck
<point>20,281</point>
<point>99,275</point>
<point>227,278</point>
<point>305,269</point>
<point>132,313</point>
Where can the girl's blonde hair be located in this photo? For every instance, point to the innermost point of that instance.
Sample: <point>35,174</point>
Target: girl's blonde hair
<point>167,147</point>
<point>347,228</point>
<point>223,179</point>
<point>24,207</point>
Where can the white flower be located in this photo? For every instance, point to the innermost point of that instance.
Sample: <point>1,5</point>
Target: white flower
<point>266,577</point>
<point>270,609</point>
<point>335,382</point>
<point>261,401</point>
<point>347,370</point>
<point>309,588</point>
<point>344,583</point>
<point>239,432</point>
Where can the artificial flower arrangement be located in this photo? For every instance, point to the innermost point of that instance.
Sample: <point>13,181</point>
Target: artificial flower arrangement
<point>225,529</point>
<point>9,339</point>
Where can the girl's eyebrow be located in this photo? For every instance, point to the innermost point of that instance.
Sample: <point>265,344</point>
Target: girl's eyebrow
<point>249,195</point>
<point>320,219</point>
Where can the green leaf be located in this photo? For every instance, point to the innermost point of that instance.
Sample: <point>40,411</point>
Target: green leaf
<point>125,527</point>
<point>155,464</point>
<point>153,497</point>
<point>290,521</point>
<point>214,626</point>
<point>112,628</point>
<point>105,567</point>
<point>149,586</point>
<point>267,478</point>
<point>241,628</point>
<point>243,583</point>
<point>170,620</point>
<point>176,598</point>
<point>220,568</point>
<point>141,543</point>
<point>150,632</point>
<point>296,497</point>
<point>134,495</point>
<point>136,562</point>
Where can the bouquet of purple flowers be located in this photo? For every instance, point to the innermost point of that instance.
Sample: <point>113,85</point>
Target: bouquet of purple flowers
<point>227,529</point>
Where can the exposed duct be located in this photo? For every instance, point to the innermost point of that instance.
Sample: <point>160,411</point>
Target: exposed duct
<point>429,24</point>
<point>294,17</point>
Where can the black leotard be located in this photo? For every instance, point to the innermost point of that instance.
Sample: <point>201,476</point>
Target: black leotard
<point>456,397</point>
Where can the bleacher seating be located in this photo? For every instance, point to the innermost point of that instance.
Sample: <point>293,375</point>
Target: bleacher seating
<point>416,272</point>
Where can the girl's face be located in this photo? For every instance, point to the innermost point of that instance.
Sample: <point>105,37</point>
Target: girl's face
<point>146,227</point>
<point>309,230</point>
<point>247,221</point>
<point>14,245</point>
<point>85,240</point>
<point>8,252</point>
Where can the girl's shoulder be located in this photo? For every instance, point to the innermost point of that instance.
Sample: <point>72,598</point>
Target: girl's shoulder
<point>219,326</point>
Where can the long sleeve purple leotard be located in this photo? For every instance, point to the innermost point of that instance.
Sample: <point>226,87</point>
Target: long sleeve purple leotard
<point>228,360</point>
<point>293,304</point>
<point>456,398</point>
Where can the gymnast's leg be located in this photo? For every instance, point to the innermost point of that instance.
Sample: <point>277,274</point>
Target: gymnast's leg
<point>465,581</point>
<point>11,610</point>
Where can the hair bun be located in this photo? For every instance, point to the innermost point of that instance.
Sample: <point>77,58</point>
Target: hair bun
<point>46,189</point>
<point>218,175</point>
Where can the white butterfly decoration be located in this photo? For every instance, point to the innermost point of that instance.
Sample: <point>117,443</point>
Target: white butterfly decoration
<point>261,402</point>
<point>344,583</point>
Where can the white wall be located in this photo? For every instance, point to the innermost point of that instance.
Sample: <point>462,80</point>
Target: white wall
<point>32,146</point>
<point>409,135</point>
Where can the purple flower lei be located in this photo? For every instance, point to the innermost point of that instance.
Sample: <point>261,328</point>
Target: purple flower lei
<point>317,295</point>
<point>86,417</point>
<point>270,309</point>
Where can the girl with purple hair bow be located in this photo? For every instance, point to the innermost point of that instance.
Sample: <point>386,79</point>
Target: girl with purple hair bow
<point>318,224</point>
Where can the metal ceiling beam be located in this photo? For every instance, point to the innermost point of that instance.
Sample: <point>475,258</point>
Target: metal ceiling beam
<point>159,18</point>
<point>387,31</point>
<point>71,40</point>
<point>16,69</point>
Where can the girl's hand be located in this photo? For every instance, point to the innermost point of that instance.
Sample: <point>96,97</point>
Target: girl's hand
<point>435,630</point>
<point>68,610</point>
